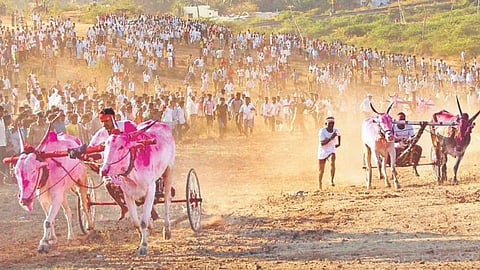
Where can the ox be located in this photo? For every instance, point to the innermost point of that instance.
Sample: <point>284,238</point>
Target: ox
<point>378,138</point>
<point>135,167</point>
<point>49,179</point>
<point>451,141</point>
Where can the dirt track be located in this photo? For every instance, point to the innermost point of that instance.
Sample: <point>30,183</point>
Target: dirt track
<point>262,211</point>
<point>256,218</point>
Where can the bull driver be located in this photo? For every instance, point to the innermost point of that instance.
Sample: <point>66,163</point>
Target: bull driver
<point>110,126</point>
<point>404,136</point>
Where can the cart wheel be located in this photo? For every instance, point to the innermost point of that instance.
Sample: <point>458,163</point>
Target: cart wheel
<point>82,218</point>
<point>435,164</point>
<point>194,201</point>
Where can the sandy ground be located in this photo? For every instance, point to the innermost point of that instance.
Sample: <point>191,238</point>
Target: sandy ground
<point>262,211</point>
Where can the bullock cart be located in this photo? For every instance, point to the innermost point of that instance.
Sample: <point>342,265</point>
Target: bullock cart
<point>404,158</point>
<point>193,198</point>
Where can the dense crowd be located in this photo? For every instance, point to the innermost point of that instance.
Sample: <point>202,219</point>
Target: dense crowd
<point>232,79</point>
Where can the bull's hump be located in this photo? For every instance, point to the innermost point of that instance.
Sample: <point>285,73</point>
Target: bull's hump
<point>445,116</point>
<point>51,137</point>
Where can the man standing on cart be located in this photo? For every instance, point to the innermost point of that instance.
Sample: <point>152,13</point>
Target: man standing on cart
<point>408,152</point>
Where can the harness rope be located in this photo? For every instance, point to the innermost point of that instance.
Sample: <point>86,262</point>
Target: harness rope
<point>49,188</point>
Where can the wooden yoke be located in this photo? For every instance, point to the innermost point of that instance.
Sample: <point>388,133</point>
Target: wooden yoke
<point>90,150</point>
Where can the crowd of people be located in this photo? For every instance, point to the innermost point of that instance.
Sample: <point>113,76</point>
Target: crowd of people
<point>232,79</point>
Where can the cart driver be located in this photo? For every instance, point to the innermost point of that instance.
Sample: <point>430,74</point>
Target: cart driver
<point>110,126</point>
<point>404,133</point>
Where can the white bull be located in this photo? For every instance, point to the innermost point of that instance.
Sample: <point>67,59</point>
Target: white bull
<point>378,139</point>
<point>49,179</point>
<point>135,166</point>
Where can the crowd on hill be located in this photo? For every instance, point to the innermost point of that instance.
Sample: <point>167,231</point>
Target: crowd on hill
<point>233,77</point>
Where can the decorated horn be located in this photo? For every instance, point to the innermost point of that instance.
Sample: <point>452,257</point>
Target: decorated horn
<point>135,133</point>
<point>458,104</point>
<point>373,109</point>
<point>389,108</point>
<point>471,120</point>
<point>50,125</point>
<point>114,122</point>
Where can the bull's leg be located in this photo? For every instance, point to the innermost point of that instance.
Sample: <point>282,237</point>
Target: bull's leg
<point>68,216</point>
<point>147,210</point>
<point>84,207</point>
<point>396,184</point>
<point>367,160</point>
<point>384,171</point>
<point>132,209</point>
<point>82,191</point>
<point>444,169</point>
<point>415,172</point>
<point>43,246</point>
<point>393,161</point>
<point>381,171</point>
<point>455,169</point>
<point>49,237</point>
<point>167,181</point>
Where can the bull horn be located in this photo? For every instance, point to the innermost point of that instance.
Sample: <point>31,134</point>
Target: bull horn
<point>135,133</point>
<point>458,104</point>
<point>50,124</point>
<point>473,117</point>
<point>373,109</point>
<point>389,108</point>
<point>114,122</point>
<point>21,140</point>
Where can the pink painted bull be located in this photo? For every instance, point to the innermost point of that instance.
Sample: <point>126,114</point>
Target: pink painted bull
<point>378,139</point>
<point>449,140</point>
<point>135,166</point>
<point>49,179</point>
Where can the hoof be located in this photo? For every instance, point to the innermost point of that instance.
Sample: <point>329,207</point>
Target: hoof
<point>44,248</point>
<point>151,225</point>
<point>167,234</point>
<point>397,186</point>
<point>142,251</point>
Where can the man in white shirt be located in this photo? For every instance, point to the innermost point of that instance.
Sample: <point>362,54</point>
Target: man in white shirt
<point>365,106</point>
<point>329,140</point>
<point>182,125</point>
<point>247,111</point>
<point>404,134</point>
<point>3,145</point>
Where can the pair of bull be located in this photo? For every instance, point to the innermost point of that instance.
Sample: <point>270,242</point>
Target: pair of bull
<point>378,141</point>
<point>131,164</point>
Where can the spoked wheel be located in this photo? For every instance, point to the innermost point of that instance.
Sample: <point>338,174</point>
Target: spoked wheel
<point>194,201</point>
<point>435,164</point>
<point>82,217</point>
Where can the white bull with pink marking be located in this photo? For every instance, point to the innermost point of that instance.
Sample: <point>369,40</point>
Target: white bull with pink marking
<point>378,140</point>
<point>135,166</point>
<point>49,179</point>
